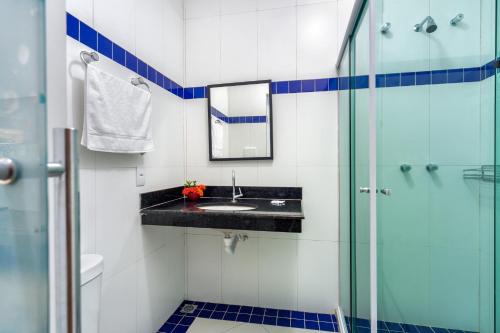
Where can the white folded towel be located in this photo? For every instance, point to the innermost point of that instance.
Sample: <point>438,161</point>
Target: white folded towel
<point>217,138</point>
<point>117,115</point>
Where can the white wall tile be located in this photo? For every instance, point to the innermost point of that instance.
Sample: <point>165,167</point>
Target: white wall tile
<point>237,6</point>
<point>203,267</point>
<point>152,304</point>
<point>317,132</point>
<point>203,51</point>
<point>344,14</point>
<point>240,273</point>
<point>319,182</point>
<point>278,273</point>
<point>272,4</point>
<point>196,132</point>
<point>285,130</point>
<point>75,96</point>
<point>316,40</point>
<point>88,211</point>
<point>117,214</point>
<point>168,131</point>
<point>161,178</point>
<point>149,33</point>
<point>173,39</point>
<point>174,254</point>
<point>318,276</point>
<point>83,9</point>
<point>278,44</point>
<point>116,20</point>
<point>119,299</point>
<point>239,47</point>
<point>271,174</point>
<point>201,8</point>
<point>245,175</point>
<point>308,2</point>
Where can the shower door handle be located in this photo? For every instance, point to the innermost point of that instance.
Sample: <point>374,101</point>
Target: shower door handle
<point>386,191</point>
<point>364,190</point>
<point>8,171</point>
<point>65,170</point>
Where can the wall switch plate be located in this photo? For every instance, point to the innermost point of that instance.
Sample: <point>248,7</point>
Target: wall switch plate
<point>140,177</point>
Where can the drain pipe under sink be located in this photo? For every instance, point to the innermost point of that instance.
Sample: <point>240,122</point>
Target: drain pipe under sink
<point>231,240</point>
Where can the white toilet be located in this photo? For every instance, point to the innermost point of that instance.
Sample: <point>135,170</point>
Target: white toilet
<point>91,267</point>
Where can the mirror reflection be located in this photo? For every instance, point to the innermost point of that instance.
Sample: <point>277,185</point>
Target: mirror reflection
<point>240,121</point>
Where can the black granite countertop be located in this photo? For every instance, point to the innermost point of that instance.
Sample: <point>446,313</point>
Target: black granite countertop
<point>167,207</point>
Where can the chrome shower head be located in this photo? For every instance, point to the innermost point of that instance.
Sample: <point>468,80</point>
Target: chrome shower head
<point>431,25</point>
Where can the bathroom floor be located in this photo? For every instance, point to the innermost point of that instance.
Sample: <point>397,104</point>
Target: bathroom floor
<point>202,317</point>
<point>201,325</point>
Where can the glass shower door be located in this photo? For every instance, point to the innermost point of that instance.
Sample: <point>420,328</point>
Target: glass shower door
<point>359,171</point>
<point>24,296</point>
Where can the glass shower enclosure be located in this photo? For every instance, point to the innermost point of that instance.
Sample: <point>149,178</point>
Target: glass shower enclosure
<point>417,251</point>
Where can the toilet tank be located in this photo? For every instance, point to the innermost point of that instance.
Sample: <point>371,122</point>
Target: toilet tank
<point>91,279</point>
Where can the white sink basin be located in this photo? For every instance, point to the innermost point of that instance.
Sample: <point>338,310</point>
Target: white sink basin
<point>226,207</point>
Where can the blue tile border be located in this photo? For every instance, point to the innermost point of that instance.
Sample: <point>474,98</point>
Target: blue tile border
<point>85,34</point>
<point>363,325</point>
<point>230,119</point>
<point>180,323</point>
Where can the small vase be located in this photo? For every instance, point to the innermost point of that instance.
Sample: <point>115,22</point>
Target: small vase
<point>193,196</point>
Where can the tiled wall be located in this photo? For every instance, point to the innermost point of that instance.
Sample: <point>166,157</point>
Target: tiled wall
<point>245,40</point>
<point>143,266</point>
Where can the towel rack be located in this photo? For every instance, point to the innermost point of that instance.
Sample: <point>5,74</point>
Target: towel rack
<point>137,81</point>
<point>88,57</point>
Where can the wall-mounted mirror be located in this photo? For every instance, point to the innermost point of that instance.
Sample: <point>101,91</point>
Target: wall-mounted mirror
<point>240,121</point>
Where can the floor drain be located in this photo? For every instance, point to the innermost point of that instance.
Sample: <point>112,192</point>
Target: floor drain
<point>189,308</point>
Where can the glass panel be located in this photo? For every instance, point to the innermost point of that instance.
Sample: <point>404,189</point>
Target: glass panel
<point>360,219</point>
<point>496,237</point>
<point>345,190</point>
<point>23,204</point>
<point>435,263</point>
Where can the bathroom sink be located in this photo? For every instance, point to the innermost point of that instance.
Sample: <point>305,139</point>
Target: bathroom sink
<point>226,207</point>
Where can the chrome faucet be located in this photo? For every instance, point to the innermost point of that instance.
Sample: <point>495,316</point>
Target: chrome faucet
<point>235,196</point>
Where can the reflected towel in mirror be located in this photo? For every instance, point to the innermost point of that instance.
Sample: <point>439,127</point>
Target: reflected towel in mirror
<point>217,137</point>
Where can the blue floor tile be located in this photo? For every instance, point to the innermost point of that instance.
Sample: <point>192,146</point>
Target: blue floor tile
<point>205,314</point>
<point>298,323</point>
<point>231,316</point>
<point>167,328</point>
<point>326,327</point>
<point>394,327</point>
<point>180,329</point>
<point>174,319</point>
<point>256,319</point>
<point>285,322</point>
<point>311,316</point>
<point>271,312</point>
<point>217,315</point>
<point>233,308</point>
<point>258,311</point>
<point>284,313</point>
<point>312,325</point>
<point>187,320</point>
<point>324,317</point>
<point>221,307</point>
<point>243,317</point>
<point>269,320</point>
<point>246,309</point>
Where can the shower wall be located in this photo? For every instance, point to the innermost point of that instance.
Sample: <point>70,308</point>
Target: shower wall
<point>435,232</point>
<point>435,250</point>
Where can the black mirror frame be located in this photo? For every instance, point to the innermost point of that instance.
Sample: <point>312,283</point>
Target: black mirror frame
<point>271,156</point>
